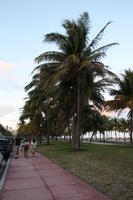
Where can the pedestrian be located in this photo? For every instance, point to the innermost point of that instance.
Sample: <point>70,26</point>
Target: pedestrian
<point>17,145</point>
<point>33,146</point>
<point>22,144</point>
<point>26,148</point>
<point>30,141</point>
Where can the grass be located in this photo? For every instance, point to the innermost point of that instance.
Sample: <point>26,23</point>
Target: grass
<point>107,168</point>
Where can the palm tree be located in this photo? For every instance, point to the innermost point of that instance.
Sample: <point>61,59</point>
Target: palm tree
<point>123,127</point>
<point>4,131</point>
<point>38,103</point>
<point>34,104</point>
<point>77,62</point>
<point>115,122</point>
<point>123,97</point>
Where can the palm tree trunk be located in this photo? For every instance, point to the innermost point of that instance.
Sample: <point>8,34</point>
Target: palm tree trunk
<point>78,131</point>
<point>111,136</point>
<point>74,133</point>
<point>100,135</point>
<point>124,137</point>
<point>94,132</point>
<point>74,120</point>
<point>103,136</point>
<point>48,137</point>
<point>115,131</point>
<point>131,127</point>
<point>39,124</point>
<point>69,131</point>
<point>40,136</point>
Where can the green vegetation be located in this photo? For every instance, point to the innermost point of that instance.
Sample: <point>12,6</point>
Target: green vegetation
<point>123,97</point>
<point>67,86</point>
<point>65,97</point>
<point>4,131</point>
<point>108,168</point>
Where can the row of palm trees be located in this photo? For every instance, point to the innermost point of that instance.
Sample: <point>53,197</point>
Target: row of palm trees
<point>4,131</point>
<point>66,91</point>
<point>112,129</point>
<point>123,97</point>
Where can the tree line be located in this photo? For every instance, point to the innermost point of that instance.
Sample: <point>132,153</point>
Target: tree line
<point>66,94</point>
<point>4,131</point>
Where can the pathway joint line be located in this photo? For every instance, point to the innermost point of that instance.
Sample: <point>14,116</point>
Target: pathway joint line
<point>45,184</point>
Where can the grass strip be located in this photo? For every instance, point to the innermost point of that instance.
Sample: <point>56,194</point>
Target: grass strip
<point>107,168</point>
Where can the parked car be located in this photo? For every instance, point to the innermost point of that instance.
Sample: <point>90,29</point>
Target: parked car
<point>1,159</point>
<point>5,148</point>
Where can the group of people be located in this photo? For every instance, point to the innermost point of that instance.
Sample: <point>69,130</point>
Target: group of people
<point>25,145</point>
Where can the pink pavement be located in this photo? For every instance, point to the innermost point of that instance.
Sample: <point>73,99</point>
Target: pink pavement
<point>39,178</point>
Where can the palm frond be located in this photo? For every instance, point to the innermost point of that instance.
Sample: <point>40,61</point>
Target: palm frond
<point>55,37</point>
<point>50,56</point>
<point>104,48</point>
<point>98,37</point>
<point>32,84</point>
<point>45,66</point>
<point>84,21</point>
<point>96,56</point>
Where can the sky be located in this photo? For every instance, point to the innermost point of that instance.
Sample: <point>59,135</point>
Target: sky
<point>23,24</point>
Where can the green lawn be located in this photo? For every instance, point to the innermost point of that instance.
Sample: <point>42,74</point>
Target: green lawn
<point>108,168</point>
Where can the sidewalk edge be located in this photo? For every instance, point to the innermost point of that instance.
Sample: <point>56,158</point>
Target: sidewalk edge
<point>2,181</point>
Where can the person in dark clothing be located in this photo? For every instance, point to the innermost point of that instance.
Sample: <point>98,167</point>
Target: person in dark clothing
<point>17,145</point>
<point>26,147</point>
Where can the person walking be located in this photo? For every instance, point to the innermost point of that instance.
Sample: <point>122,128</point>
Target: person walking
<point>26,148</point>
<point>33,146</point>
<point>17,145</point>
<point>22,144</point>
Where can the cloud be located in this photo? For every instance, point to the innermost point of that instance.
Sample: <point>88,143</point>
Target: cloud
<point>5,67</point>
<point>6,109</point>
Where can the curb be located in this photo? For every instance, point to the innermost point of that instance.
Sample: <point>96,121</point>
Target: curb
<point>4,175</point>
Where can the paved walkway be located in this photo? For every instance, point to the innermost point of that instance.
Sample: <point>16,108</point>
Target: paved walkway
<point>39,178</point>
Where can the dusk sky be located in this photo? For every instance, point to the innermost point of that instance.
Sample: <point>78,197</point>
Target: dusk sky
<point>23,24</point>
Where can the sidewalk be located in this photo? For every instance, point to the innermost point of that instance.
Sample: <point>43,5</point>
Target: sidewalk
<point>39,178</point>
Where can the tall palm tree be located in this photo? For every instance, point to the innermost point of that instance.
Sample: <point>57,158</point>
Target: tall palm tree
<point>123,97</point>
<point>34,104</point>
<point>33,112</point>
<point>115,122</point>
<point>78,62</point>
<point>38,103</point>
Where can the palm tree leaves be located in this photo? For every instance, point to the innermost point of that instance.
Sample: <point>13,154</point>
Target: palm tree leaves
<point>123,96</point>
<point>77,31</point>
<point>84,21</point>
<point>4,131</point>
<point>72,77</point>
<point>32,84</point>
<point>57,38</point>
<point>52,66</point>
<point>98,37</point>
<point>125,85</point>
<point>51,56</point>
<point>101,51</point>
